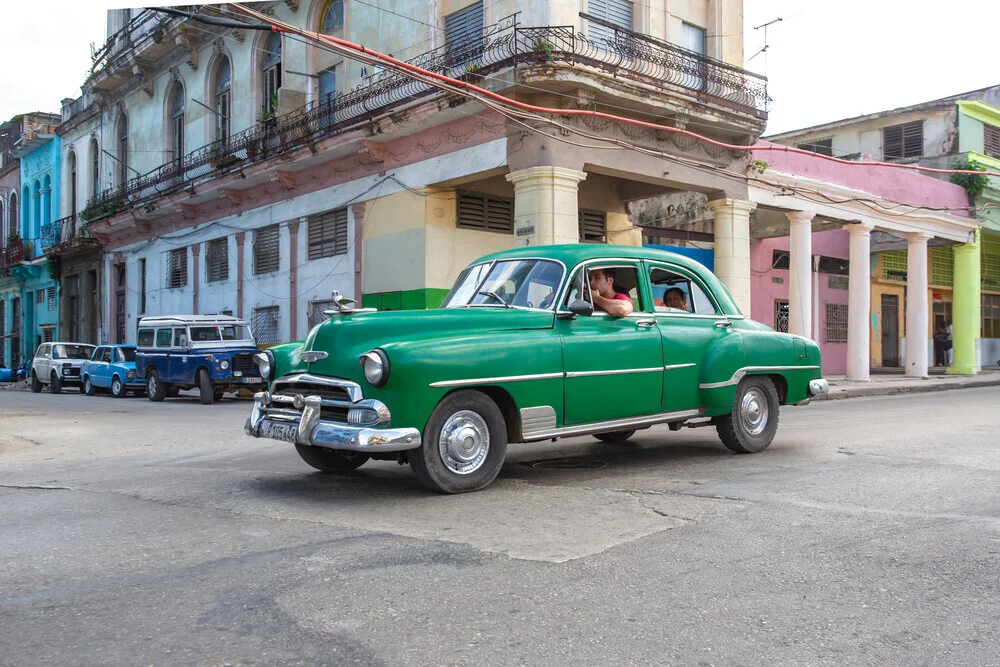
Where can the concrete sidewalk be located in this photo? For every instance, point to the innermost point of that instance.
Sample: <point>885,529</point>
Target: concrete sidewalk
<point>885,385</point>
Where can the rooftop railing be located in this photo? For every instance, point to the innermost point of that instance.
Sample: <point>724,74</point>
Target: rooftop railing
<point>122,42</point>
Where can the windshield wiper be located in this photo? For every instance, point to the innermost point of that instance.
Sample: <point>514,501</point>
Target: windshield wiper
<point>493,295</point>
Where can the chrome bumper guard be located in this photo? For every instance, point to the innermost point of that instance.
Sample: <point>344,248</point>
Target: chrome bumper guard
<point>296,419</point>
<point>816,388</point>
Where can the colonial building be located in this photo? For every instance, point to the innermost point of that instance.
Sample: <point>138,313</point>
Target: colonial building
<point>254,172</point>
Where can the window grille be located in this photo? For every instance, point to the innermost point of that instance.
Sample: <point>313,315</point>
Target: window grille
<point>894,265</point>
<point>781,259</point>
<point>618,12</point>
<point>265,250</point>
<point>327,234</point>
<point>991,141</point>
<point>903,141</point>
<point>818,146</point>
<point>836,323</point>
<point>781,316</point>
<point>264,325</point>
<point>177,268</point>
<point>942,266</point>
<point>217,260</point>
<point>47,335</point>
<point>492,214</point>
<point>52,298</point>
<point>315,312</point>
<point>593,226</point>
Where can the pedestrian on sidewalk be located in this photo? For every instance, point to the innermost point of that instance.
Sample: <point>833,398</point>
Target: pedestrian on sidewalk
<point>940,340</point>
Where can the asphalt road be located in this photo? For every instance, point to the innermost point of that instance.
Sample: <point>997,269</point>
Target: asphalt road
<point>140,533</point>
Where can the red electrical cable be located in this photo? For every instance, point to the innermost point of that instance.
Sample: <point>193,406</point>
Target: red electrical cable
<point>370,53</point>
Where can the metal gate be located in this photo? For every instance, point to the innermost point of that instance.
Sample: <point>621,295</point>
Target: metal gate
<point>890,330</point>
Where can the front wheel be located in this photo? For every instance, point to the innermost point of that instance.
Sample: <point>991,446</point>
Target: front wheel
<point>206,392</point>
<point>55,384</point>
<point>331,460</point>
<point>36,384</point>
<point>154,388</point>
<point>751,426</point>
<point>117,387</point>
<point>88,388</point>
<point>464,444</point>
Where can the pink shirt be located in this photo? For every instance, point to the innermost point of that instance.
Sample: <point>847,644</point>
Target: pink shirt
<point>617,297</point>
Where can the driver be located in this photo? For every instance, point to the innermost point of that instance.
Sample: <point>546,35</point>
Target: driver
<point>606,299</point>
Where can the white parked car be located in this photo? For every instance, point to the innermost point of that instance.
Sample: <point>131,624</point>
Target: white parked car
<point>58,365</point>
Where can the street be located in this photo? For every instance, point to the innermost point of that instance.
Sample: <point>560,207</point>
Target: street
<point>142,533</point>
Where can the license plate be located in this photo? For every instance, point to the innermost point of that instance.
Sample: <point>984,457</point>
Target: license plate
<point>286,432</point>
<point>252,380</point>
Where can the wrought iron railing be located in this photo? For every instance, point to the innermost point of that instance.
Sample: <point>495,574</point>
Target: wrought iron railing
<point>500,46</point>
<point>118,46</point>
<point>63,230</point>
<point>12,253</point>
<point>49,235</point>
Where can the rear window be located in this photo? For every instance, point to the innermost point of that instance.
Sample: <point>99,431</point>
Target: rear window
<point>163,337</point>
<point>145,338</point>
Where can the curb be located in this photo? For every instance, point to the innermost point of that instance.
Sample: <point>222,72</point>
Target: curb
<point>865,391</point>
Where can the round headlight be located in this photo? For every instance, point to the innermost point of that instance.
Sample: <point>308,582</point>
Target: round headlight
<point>130,374</point>
<point>376,365</point>
<point>224,364</point>
<point>265,362</point>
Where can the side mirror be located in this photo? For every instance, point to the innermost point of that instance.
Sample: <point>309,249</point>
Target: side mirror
<point>582,308</point>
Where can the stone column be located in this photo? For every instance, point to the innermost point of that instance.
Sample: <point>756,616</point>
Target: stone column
<point>800,303</point>
<point>915,363</point>
<point>859,303</point>
<point>293,276</point>
<point>545,205</point>
<point>196,275</point>
<point>732,247</point>
<point>359,227</point>
<point>965,309</point>
<point>240,238</point>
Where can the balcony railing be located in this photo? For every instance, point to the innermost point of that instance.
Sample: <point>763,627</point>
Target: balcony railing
<point>12,253</point>
<point>624,54</point>
<point>119,44</point>
<point>60,231</point>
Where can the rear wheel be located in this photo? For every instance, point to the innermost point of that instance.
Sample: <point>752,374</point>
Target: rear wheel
<point>55,384</point>
<point>117,387</point>
<point>154,388</point>
<point>331,460</point>
<point>36,384</point>
<point>88,388</point>
<point>205,389</point>
<point>464,444</point>
<point>615,436</point>
<point>751,426</point>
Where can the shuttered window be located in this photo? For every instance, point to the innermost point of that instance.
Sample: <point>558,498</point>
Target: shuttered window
<point>328,234</point>
<point>991,141</point>
<point>265,250</point>
<point>618,12</point>
<point>51,298</point>
<point>264,325</point>
<point>177,268</point>
<point>217,260</point>
<point>593,226</point>
<point>903,141</point>
<point>464,25</point>
<point>492,214</point>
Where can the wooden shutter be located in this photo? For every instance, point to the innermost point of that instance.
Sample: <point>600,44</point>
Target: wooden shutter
<point>592,226</point>
<point>892,142</point>
<point>177,268</point>
<point>903,141</point>
<point>618,12</point>
<point>464,25</point>
<point>327,234</point>
<point>491,214</point>
<point>265,250</point>
<point>991,141</point>
<point>217,256</point>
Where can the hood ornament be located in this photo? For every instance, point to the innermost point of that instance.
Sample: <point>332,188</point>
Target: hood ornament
<point>343,305</point>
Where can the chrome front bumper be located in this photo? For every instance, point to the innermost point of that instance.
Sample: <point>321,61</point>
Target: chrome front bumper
<point>816,388</point>
<point>306,428</point>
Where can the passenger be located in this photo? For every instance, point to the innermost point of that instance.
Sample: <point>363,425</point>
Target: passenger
<point>606,299</point>
<point>675,298</point>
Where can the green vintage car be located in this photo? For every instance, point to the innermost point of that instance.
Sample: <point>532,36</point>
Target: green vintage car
<point>517,353</point>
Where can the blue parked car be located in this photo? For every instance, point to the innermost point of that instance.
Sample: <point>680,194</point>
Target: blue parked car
<point>112,368</point>
<point>213,353</point>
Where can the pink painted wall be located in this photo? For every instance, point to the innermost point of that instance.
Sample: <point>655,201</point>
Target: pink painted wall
<point>902,185</point>
<point>765,291</point>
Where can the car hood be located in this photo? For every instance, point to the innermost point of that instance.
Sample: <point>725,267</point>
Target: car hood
<point>346,337</point>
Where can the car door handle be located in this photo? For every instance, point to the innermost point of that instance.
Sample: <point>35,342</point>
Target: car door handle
<point>723,324</point>
<point>644,324</point>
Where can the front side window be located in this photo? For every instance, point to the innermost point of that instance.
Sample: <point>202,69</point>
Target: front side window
<point>234,332</point>
<point>272,74</point>
<point>623,281</point>
<point>180,337</point>
<point>106,355</point>
<point>675,293</point>
<point>524,283</point>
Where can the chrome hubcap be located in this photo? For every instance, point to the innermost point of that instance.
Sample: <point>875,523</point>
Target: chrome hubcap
<point>117,386</point>
<point>152,384</point>
<point>754,411</point>
<point>464,442</point>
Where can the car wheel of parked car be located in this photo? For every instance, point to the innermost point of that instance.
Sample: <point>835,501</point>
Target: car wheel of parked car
<point>117,387</point>
<point>615,436</point>
<point>206,392</point>
<point>330,460</point>
<point>81,388</point>
<point>464,444</point>
<point>154,389</point>
<point>55,384</point>
<point>36,384</point>
<point>88,388</point>
<point>751,426</point>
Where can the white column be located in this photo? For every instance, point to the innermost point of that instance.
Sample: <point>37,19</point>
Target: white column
<point>545,205</point>
<point>915,362</point>
<point>859,303</point>
<point>800,269</point>
<point>732,248</point>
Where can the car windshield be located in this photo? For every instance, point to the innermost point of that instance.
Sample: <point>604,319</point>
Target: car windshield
<point>125,354</point>
<point>234,332</point>
<point>202,334</point>
<point>525,283</point>
<point>72,352</point>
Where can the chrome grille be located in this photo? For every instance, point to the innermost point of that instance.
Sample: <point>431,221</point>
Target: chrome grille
<point>335,396</point>
<point>244,363</point>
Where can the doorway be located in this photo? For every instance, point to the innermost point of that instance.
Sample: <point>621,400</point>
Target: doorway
<point>890,331</point>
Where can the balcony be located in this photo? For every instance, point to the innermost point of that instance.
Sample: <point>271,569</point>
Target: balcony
<point>504,46</point>
<point>12,253</point>
<point>66,237</point>
<point>123,55</point>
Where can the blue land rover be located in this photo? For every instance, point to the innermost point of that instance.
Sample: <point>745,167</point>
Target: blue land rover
<point>211,352</point>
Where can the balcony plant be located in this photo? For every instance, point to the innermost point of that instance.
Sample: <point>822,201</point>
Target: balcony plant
<point>546,47</point>
<point>974,184</point>
<point>270,114</point>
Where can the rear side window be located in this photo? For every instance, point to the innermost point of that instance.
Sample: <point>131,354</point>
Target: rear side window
<point>145,338</point>
<point>163,337</point>
<point>674,293</point>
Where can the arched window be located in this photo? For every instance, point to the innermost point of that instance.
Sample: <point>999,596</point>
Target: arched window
<point>332,19</point>
<point>72,183</point>
<point>12,217</point>
<point>3,227</point>
<point>177,120</point>
<point>223,98</point>
<point>122,136</point>
<point>95,168</point>
<point>272,74</point>
<point>25,212</point>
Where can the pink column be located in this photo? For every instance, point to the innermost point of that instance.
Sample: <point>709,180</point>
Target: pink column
<point>293,277</point>
<point>195,263</point>
<point>240,237</point>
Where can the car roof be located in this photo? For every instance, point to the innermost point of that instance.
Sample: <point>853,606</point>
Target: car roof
<point>66,342</point>
<point>184,320</point>
<point>572,254</point>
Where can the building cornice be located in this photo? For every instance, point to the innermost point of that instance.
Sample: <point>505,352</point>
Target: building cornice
<point>985,113</point>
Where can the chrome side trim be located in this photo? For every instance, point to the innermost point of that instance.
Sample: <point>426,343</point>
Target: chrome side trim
<point>625,371</point>
<point>312,356</point>
<point>540,418</point>
<point>353,389</point>
<point>676,366</point>
<point>738,375</point>
<point>613,425</point>
<point>507,378</point>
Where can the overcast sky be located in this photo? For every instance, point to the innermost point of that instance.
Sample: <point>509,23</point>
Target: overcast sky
<point>825,60</point>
